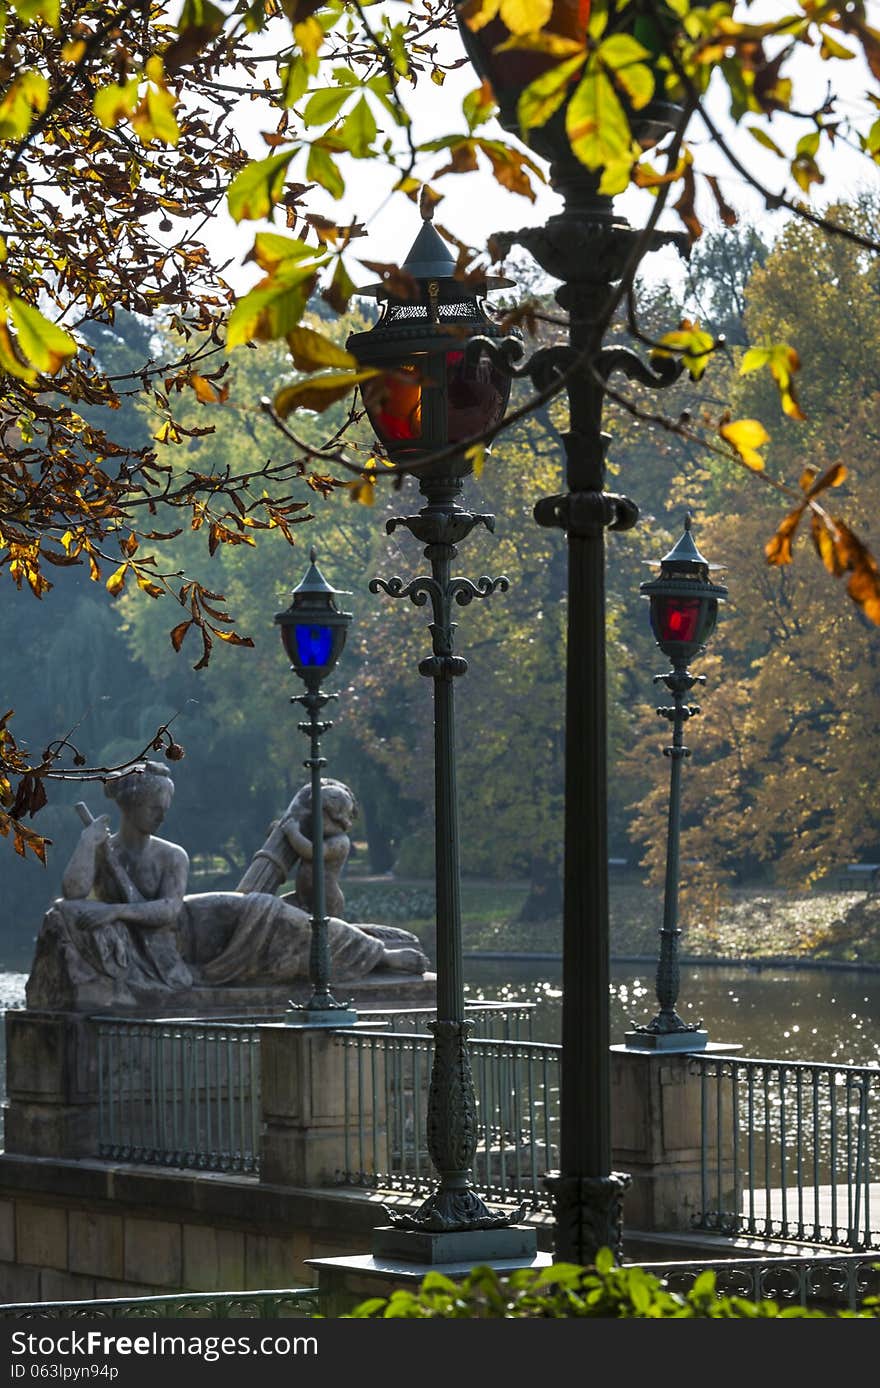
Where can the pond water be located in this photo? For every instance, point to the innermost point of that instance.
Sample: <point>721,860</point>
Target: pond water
<point>773,1013</point>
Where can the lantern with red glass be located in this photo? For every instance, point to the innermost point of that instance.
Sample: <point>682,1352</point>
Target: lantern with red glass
<point>509,70</point>
<point>313,628</point>
<point>684,603</point>
<point>438,385</point>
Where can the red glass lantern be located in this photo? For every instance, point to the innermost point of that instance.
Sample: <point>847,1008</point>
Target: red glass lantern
<point>438,383</point>
<point>684,603</point>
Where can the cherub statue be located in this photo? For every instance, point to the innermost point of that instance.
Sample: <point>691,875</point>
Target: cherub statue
<point>125,930</point>
<point>289,847</point>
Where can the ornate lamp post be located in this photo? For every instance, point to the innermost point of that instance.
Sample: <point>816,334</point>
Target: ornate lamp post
<point>684,609</point>
<point>446,377</point>
<point>589,249</point>
<point>313,629</point>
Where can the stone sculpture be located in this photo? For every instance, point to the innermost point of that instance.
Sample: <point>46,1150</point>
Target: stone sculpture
<point>126,933</point>
<point>289,846</point>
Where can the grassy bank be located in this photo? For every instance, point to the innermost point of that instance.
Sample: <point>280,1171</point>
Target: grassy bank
<point>748,923</point>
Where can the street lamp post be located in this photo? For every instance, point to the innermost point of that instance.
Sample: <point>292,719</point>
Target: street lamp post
<point>313,630</point>
<point>589,248</point>
<point>684,609</point>
<point>445,377</point>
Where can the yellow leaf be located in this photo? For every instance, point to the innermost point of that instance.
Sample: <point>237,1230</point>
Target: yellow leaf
<point>72,52</point>
<point>363,491</point>
<point>747,436</point>
<point>311,351</point>
<point>476,456</point>
<point>526,16</point>
<point>114,103</point>
<point>10,361</point>
<point>478,13</point>
<point>595,121</point>
<point>154,118</point>
<point>44,344</point>
<point>27,95</point>
<point>309,35</point>
<point>541,98</point>
<point>320,392</point>
<point>154,590</point>
<point>116,582</point>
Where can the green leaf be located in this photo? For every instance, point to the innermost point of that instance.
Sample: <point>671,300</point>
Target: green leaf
<point>325,105</point>
<point>49,10</point>
<point>358,130</point>
<point>259,187</point>
<point>272,251</point>
<point>272,310</point>
<point>293,78</point>
<point>764,139</point>
<point>322,168</point>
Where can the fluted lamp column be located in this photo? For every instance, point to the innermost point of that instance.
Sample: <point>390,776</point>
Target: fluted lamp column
<point>313,629</point>
<point>445,372</point>
<point>684,608</point>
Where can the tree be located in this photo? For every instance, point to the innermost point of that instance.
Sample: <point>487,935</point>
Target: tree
<point>785,759</point>
<point>124,119</point>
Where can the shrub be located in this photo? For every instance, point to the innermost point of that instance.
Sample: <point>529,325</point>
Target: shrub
<point>565,1289</point>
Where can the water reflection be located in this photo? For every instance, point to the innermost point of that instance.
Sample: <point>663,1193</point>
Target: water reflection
<point>773,1013</point>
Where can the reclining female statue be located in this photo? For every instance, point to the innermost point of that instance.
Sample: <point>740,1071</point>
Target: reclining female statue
<point>124,930</point>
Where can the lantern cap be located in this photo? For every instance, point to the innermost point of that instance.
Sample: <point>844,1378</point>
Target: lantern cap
<point>314,584</point>
<point>684,557</point>
<point>430,258</point>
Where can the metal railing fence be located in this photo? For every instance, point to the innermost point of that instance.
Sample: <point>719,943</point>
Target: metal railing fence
<point>179,1093</point>
<point>825,1281</point>
<point>183,1092</point>
<point>298,1303</point>
<point>789,1149</point>
<point>516,1087</point>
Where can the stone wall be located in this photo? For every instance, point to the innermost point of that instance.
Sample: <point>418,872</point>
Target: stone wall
<point>80,1230</point>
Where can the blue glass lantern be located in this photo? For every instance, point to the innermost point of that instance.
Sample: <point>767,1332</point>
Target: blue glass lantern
<point>314,628</point>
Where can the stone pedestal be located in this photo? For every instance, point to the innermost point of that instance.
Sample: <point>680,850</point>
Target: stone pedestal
<point>344,1282</point>
<point>657,1126</point>
<point>309,1084</point>
<point>51,1084</point>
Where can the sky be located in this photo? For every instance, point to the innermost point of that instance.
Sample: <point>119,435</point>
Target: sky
<point>474,205</point>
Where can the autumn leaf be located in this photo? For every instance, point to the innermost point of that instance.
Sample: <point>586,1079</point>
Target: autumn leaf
<point>312,350</point>
<point>778,548</point>
<point>747,436</point>
<point>42,342</point>
<point>783,361</point>
<point>691,343</point>
<point>318,393</point>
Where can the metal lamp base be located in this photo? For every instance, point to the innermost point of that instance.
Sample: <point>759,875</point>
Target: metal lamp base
<point>469,1246</point>
<point>320,1017</point>
<point>667,1040</point>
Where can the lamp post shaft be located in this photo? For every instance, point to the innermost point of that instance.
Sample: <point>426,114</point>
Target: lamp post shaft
<point>319,951</point>
<point>450,982</point>
<point>451,1121</point>
<point>668,976</point>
